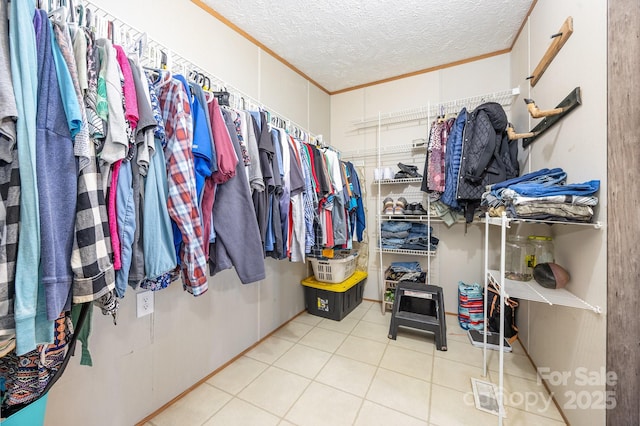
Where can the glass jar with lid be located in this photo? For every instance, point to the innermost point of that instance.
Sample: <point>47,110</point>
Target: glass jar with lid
<point>542,250</point>
<point>518,254</point>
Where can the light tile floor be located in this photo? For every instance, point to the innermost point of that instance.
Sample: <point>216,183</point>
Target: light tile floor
<point>316,371</point>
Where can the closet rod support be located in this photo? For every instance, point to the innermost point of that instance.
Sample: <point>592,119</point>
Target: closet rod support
<point>511,133</point>
<point>558,40</point>
<point>567,105</point>
<point>539,113</point>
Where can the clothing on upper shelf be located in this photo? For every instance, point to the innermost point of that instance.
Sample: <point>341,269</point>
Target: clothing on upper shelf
<point>543,195</point>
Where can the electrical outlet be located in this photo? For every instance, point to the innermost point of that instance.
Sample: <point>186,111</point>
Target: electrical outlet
<point>144,304</point>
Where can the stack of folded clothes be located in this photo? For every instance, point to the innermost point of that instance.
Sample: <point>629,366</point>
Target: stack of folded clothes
<point>407,236</point>
<point>405,271</point>
<point>543,195</point>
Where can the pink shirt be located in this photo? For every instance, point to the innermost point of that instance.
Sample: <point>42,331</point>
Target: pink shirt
<point>225,154</point>
<point>113,216</point>
<point>128,89</point>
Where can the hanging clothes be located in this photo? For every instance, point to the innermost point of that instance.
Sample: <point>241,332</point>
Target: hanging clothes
<point>94,275</point>
<point>296,218</point>
<point>233,215</point>
<point>202,145</point>
<point>56,172</point>
<point>182,202</point>
<point>139,168</point>
<point>24,71</point>
<point>452,160</point>
<point>359,218</point>
<point>9,185</point>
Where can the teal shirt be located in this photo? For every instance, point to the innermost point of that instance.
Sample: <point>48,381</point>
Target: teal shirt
<point>24,67</point>
<point>67,91</point>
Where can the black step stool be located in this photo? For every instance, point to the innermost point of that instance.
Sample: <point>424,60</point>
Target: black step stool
<point>420,306</point>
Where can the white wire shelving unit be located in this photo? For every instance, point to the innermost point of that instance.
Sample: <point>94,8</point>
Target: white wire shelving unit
<point>527,290</point>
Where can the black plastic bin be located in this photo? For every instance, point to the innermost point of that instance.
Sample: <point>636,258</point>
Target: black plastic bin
<point>334,301</point>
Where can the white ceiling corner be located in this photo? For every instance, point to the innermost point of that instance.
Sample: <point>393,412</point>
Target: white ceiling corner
<point>341,44</point>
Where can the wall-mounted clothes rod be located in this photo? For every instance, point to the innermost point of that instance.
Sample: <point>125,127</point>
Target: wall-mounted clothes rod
<point>504,98</point>
<point>156,55</point>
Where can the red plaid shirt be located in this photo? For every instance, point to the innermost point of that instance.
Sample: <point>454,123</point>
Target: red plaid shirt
<point>182,201</point>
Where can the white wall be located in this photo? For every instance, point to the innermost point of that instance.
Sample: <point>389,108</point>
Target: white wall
<point>141,364</point>
<point>459,256</point>
<point>565,339</point>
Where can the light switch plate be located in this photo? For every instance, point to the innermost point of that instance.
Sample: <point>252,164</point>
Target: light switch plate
<point>144,305</point>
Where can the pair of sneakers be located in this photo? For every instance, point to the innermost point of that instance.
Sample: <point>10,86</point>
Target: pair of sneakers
<point>394,208</point>
<point>415,209</point>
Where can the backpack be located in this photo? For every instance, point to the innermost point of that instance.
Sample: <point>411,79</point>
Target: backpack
<point>493,313</point>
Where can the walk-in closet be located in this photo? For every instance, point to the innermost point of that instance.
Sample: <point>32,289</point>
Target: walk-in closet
<point>326,213</point>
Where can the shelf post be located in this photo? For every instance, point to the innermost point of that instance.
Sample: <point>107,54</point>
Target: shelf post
<point>486,284</point>
<point>503,237</point>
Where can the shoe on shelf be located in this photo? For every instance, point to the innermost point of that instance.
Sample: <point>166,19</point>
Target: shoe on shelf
<point>409,209</point>
<point>401,204</point>
<point>387,206</point>
<point>401,175</point>
<point>419,210</point>
<point>409,169</point>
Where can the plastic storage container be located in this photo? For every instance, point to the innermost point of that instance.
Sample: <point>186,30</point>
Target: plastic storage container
<point>519,253</point>
<point>542,250</point>
<point>334,301</point>
<point>333,270</point>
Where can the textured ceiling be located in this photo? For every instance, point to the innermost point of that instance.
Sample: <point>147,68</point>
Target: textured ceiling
<point>341,44</point>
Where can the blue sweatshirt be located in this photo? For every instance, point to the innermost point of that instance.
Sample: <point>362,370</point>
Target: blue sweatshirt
<point>56,171</point>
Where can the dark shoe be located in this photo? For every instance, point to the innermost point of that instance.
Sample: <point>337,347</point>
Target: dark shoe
<point>401,175</point>
<point>419,210</point>
<point>410,209</point>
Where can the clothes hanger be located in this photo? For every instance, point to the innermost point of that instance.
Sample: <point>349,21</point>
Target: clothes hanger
<point>192,76</point>
<point>59,15</point>
<point>223,97</point>
<point>154,59</point>
<point>206,84</point>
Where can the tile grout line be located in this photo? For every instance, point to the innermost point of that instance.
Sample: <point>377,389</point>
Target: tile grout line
<point>313,380</point>
<point>271,364</point>
<point>219,409</point>
<point>334,354</point>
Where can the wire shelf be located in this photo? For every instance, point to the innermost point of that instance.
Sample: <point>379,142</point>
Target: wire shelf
<point>504,98</point>
<point>419,145</point>
<point>496,221</point>
<point>531,290</point>
<point>425,253</point>
<point>409,218</point>
<point>398,181</point>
